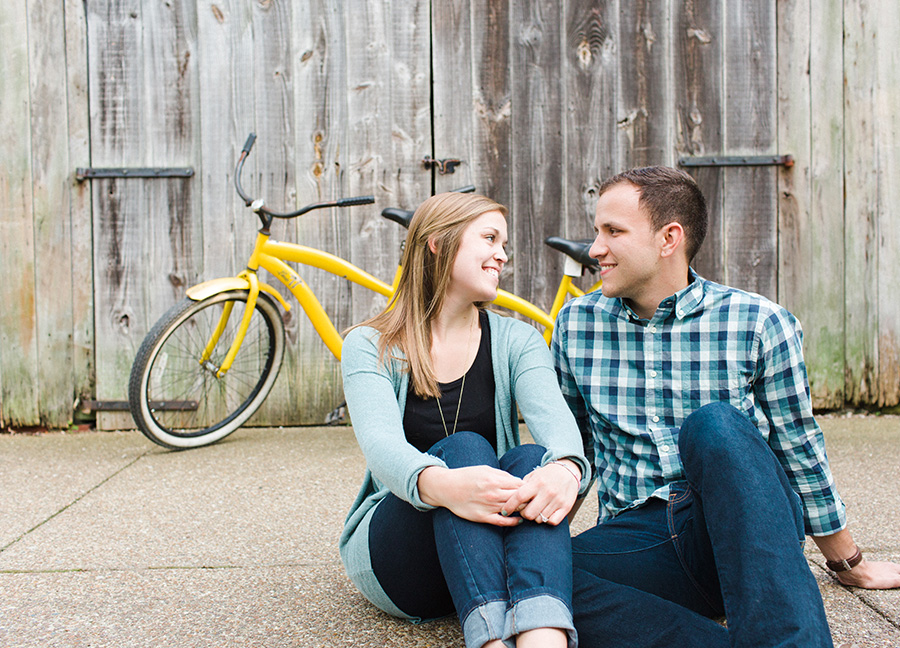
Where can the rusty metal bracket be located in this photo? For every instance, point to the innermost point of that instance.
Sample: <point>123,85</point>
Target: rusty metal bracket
<point>443,166</point>
<point>90,173</point>
<point>122,406</point>
<point>737,160</point>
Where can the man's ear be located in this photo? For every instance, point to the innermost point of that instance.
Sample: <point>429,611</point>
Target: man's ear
<point>432,245</point>
<point>672,238</point>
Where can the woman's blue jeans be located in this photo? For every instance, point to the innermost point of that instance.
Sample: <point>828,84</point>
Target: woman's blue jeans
<point>729,542</point>
<point>502,580</point>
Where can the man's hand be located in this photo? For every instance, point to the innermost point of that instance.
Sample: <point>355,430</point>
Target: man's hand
<point>547,493</point>
<point>872,575</point>
<point>475,493</point>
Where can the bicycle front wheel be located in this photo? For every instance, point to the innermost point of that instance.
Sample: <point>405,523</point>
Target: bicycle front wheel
<point>174,393</point>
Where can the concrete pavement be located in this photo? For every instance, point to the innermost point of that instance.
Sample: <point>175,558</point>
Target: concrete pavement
<point>108,540</point>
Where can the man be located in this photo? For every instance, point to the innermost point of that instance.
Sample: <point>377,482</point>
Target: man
<point>710,466</point>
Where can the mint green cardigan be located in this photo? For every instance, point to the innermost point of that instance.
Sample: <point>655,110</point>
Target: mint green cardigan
<point>376,397</point>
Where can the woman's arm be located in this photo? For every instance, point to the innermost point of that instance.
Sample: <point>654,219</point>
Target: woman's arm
<point>369,387</point>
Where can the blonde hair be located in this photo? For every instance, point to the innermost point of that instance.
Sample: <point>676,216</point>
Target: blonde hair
<point>406,323</point>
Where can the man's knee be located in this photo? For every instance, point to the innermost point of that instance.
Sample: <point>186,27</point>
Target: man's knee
<point>717,431</point>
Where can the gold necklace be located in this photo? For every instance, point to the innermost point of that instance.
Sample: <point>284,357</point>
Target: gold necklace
<point>461,388</point>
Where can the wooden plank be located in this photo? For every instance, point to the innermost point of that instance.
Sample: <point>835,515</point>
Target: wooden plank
<point>861,201</point>
<point>19,388</point>
<point>750,128</point>
<point>589,61</point>
<point>888,164</point>
<point>272,175</point>
<point>321,141</point>
<point>645,87</point>
<point>79,150</point>
<point>144,84</point>
<point>52,231</point>
<point>488,110</point>
<point>537,155</point>
<point>114,38</point>
<point>810,194</point>
<point>697,57</point>
<point>369,147</point>
<point>453,85</point>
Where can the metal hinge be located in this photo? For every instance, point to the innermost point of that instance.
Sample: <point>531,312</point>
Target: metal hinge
<point>737,160</point>
<point>123,172</point>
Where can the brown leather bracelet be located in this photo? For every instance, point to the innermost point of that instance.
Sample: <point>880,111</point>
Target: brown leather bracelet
<point>845,564</point>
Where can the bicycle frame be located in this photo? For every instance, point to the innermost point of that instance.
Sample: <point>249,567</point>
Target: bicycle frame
<point>271,256</point>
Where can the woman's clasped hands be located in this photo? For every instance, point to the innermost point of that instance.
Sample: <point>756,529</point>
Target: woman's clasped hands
<point>488,495</point>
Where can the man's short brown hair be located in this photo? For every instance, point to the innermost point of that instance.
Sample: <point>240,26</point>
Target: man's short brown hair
<point>668,195</point>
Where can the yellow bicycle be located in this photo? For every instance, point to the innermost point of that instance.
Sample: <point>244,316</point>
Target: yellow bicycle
<point>208,364</point>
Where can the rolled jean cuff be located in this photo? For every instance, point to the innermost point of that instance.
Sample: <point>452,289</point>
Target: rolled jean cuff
<point>484,623</point>
<point>539,611</point>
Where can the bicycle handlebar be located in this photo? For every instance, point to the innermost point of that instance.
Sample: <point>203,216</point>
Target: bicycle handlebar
<point>260,209</point>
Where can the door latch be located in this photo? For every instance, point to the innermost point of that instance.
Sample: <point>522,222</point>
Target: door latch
<point>443,166</point>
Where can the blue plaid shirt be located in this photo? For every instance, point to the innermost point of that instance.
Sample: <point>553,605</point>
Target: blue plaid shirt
<point>631,383</point>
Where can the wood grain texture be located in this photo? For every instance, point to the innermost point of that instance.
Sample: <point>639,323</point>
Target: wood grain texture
<point>698,45</point>
<point>537,165</point>
<point>589,70</point>
<point>810,194</point>
<point>79,200</point>
<point>749,206</point>
<point>19,383</point>
<point>52,226</point>
<point>888,164</point>
<point>645,103</point>
<point>540,100</point>
<point>861,200</point>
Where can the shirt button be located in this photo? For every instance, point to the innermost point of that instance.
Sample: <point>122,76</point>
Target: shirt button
<point>656,419</point>
<point>681,313</point>
<point>653,329</point>
<point>664,448</point>
<point>653,374</point>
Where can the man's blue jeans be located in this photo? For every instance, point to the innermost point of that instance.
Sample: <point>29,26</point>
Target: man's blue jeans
<point>729,542</point>
<point>503,580</point>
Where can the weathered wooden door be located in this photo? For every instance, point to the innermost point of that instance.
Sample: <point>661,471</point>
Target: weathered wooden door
<point>539,100</point>
<point>181,84</point>
<point>542,100</point>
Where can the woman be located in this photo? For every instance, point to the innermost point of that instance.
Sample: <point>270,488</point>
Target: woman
<point>432,385</point>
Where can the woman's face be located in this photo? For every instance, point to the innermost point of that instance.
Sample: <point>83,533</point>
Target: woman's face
<point>475,275</point>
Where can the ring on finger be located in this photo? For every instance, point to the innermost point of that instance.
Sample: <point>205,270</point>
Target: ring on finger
<point>544,518</point>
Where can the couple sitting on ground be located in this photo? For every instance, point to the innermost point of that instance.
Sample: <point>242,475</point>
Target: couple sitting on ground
<point>686,400</point>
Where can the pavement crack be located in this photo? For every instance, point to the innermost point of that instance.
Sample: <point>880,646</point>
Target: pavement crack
<point>75,501</point>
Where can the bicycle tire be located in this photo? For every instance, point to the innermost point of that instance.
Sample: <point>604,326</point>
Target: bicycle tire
<point>178,402</point>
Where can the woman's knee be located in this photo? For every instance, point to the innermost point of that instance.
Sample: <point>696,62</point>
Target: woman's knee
<point>522,459</point>
<point>464,449</point>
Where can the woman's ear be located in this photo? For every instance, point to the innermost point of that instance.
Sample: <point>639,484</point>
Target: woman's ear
<point>432,245</point>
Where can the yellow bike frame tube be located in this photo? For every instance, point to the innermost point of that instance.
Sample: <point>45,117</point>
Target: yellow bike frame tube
<point>325,261</point>
<point>517,304</point>
<point>244,325</point>
<point>214,340</point>
<point>308,300</point>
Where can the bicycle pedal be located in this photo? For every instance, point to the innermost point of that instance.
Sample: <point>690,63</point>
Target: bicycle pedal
<point>337,416</point>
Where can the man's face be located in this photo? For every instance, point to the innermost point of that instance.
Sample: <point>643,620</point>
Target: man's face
<point>626,247</point>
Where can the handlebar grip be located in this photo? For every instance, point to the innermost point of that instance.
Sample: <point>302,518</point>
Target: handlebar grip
<point>357,200</point>
<point>249,143</point>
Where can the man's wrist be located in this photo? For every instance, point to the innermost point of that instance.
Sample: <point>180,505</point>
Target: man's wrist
<point>845,564</point>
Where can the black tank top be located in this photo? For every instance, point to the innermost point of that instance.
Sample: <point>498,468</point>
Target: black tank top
<point>421,419</point>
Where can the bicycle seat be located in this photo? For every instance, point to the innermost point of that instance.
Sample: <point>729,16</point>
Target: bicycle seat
<point>401,216</point>
<point>577,249</point>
